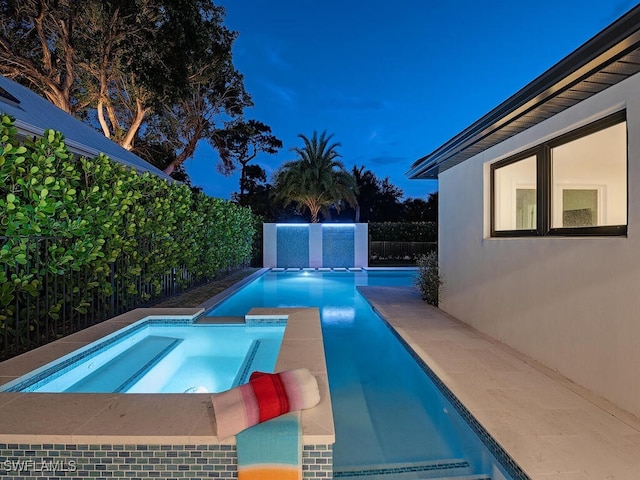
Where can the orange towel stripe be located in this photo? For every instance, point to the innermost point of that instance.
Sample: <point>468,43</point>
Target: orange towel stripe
<point>268,473</point>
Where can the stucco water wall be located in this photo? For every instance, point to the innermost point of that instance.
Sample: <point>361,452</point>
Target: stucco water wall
<point>315,245</point>
<point>570,303</point>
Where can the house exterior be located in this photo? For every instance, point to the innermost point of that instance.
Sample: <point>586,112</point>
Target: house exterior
<point>34,114</point>
<point>539,220</point>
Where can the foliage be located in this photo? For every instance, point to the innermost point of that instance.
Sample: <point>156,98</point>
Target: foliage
<point>241,143</point>
<point>94,213</point>
<point>403,232</point>
<point>243,140</point>
<point>388,205</point>
<point>258,237</point>
<point>417,210</point>
<point>379,200</point>
<point>317,179</point>
<point>428,279</point>
<point>145,72</point>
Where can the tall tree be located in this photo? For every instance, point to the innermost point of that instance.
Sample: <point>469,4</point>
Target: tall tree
<point>368,189</point>
<point>241,143</point>
<point>419,210</point>
<point>257,193</point>
<point>160,67</point>
<point>388,205</point>
<point>37,46</point>
<point>317,179</point>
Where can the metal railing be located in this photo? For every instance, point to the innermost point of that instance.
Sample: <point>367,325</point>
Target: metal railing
<point>398,253</point>
<point>39,305</point>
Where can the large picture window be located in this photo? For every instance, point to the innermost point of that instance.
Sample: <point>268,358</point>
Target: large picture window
<point>573,185</point>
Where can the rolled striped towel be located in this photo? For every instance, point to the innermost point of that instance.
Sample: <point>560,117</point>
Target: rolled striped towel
<point>265,396</point>
<point>271,450</point>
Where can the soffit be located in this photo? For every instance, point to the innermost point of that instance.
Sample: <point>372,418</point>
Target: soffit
<point>609,58</point>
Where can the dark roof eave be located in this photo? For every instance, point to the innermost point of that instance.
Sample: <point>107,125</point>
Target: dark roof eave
<point>613,43</point>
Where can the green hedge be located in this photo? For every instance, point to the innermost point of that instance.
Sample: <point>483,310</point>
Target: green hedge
<point>95,213</point>
<point>403,232</point>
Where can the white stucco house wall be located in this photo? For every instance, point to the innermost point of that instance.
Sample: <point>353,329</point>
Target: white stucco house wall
<point>34,114</point>
<point>539,220</point>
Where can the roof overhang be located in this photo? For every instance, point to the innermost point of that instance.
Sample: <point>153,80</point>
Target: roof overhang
<point>610,57</point>
<point>33,114</point>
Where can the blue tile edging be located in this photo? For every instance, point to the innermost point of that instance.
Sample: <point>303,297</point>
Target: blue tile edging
<point>506,462</point>
<point>108,461</point>
<point>33,382</point>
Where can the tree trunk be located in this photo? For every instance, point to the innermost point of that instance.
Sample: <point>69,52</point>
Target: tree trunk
<point>102,120</point>
<point>243,176</point>
<point>56,85</point>
<point>127,141</point>
<point>315,210</point>
<point>188,150</point>
<point>171,167</point>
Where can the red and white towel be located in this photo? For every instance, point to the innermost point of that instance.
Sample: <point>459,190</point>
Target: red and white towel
<point>265,396</point>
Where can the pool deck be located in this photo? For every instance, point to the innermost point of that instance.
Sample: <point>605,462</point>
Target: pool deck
<point>553,428</point>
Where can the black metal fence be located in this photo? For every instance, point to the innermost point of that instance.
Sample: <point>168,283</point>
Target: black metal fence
<point>398,253</point>
<point>39,304</point>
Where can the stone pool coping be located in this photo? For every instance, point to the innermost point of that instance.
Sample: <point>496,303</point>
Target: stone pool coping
<point>37,418</point>
<point>553,428</point>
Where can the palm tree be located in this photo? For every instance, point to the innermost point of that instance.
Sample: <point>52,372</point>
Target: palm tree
<point>317,179</point>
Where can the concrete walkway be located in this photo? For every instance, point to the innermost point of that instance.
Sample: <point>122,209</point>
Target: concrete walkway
<point>553,428</point>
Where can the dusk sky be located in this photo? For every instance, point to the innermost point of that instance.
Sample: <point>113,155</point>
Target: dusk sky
<point>391,80</point>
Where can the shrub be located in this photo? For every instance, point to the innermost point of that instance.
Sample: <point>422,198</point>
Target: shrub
<point>428,279</point>
<point>68,221</point>
<point>403,232</point>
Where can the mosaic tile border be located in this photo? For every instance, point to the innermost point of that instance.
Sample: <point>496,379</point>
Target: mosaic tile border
<point>503,458</point>
<point>60,368</point>
<point>416,467</point>
<point>266,320</point>
<point>106,461</point>
<point>243,375</point>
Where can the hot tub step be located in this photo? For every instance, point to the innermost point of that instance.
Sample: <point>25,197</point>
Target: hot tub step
<point>120,373</point>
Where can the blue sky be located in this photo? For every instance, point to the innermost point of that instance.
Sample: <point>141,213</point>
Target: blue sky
<point>391,80</point>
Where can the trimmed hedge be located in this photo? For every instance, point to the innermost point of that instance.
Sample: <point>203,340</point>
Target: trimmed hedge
<point>94,213</point>
<point>403,232</point>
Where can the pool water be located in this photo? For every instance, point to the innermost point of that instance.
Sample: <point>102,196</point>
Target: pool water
<point>161,357</point>
<point>387,411</point>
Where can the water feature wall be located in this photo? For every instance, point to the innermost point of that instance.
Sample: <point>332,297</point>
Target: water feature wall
<point>338,246</point>
<point>315,245</point>
<point>293,246</point>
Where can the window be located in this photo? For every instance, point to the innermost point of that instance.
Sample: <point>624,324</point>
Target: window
<point>573,185</point>
<point>515,195</point>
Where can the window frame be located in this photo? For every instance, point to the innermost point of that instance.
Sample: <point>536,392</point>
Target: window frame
<point>544,182</point>
<point>532,152</point>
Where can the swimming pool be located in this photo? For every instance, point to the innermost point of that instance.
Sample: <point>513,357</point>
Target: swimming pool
<point>155,356</point>
<point>390,418</point>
